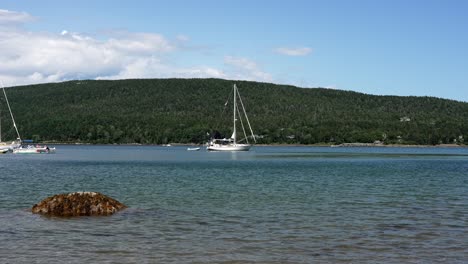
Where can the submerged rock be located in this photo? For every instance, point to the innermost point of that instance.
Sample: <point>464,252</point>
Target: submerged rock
<point>78,204</point>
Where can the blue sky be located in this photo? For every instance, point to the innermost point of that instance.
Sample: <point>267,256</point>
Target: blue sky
<point>375,47</point>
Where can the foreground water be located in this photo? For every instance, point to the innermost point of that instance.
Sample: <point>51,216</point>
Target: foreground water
<point>269,205</point>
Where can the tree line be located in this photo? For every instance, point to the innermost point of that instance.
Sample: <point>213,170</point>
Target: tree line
<point>161,111</point>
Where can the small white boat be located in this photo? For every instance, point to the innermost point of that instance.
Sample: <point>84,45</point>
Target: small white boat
<point>231,144</point>
<point>34,150</point>
<point>3,151</point>
<point>193,149</point>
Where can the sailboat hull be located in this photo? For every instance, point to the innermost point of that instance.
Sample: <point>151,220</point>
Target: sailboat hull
<point>231,147</point>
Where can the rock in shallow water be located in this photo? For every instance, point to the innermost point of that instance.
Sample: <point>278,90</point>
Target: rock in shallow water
<point>78,204</point>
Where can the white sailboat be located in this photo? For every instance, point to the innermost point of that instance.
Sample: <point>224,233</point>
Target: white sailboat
<point>16,146</point>
<point>231,144</point>
<point>5,146</point>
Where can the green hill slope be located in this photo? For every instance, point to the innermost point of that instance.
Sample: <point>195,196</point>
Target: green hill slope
<point>184,110</point>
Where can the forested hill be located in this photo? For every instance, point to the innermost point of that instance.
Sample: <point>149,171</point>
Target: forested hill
<point>158,111</point>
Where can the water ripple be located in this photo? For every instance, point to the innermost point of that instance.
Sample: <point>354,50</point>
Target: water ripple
<point>269,206</point>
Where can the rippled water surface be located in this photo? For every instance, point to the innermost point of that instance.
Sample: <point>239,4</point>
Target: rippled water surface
<point>269,205</point>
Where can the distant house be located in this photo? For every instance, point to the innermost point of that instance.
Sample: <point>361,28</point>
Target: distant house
<point>405,119</point>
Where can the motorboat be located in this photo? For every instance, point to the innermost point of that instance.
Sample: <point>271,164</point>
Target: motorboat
<point>37,149</point>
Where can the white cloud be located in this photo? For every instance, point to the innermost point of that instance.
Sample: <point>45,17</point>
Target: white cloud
<point>246,69</point>
<point>141,43</point>
<point>36,57</point>
<point>154,68</point>
<point>183,38</point>
<point>31,57</point>
<point>303,51</point>
<point>11,17</point>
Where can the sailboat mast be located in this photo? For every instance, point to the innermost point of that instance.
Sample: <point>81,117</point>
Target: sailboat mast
<point>234,132</point>
<point>12,118</point>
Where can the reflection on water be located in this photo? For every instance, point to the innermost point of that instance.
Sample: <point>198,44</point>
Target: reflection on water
<point>269,205</point>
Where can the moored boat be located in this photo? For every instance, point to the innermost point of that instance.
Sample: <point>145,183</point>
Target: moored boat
<point>227,144</point>
<point>30,149</point>
<point>231,144</point>
<point>193,149</point>
<point>5,147</point>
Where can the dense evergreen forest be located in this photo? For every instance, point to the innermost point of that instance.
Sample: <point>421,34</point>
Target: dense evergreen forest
<point>160,111</point>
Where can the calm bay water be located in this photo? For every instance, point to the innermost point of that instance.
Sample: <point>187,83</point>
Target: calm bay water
<point>269,205</point>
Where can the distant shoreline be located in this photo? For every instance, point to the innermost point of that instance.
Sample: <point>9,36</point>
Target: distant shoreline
<point>372,145</point>
<point>400,145</point>
<point>356,145</point>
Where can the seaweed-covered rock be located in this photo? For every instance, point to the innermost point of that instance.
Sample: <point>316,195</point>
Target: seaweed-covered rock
<point>78,204</point>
